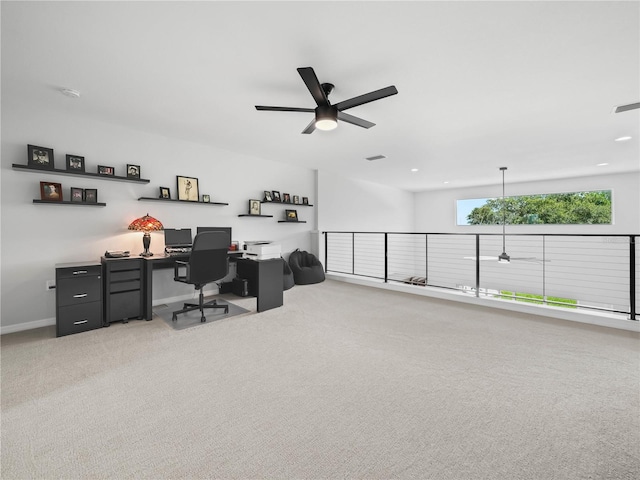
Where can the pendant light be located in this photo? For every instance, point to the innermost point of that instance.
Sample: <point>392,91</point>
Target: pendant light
<point>503,257</point>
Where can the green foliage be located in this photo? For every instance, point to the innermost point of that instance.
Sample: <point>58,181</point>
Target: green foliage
<point>583,208</point>
<point>533,298</point>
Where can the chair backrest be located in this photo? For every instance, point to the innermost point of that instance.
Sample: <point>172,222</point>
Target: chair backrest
<point>208,261</point>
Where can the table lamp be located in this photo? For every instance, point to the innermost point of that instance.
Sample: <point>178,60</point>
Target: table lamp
<point>146,224</point>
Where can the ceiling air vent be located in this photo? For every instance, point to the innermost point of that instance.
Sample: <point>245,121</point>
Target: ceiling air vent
<point>375,157</point>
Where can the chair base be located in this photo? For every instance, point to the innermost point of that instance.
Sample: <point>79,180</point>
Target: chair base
<point>189,307</point>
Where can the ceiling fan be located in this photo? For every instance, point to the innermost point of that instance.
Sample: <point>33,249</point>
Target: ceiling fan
<point>326,114</point>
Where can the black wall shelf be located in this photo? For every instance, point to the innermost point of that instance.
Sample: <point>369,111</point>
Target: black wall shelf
<point>291,221</point>
<point>58,171</point>
<point>152,199</point>
<point>289,204</point>
<point>68,202</point>
<point>250,215</point>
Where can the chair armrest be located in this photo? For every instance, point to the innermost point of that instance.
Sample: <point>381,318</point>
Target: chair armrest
<point>176,271</point>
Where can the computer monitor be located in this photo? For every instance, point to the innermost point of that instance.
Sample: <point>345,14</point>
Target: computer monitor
<point>177,237</point>
<point>227,230</point>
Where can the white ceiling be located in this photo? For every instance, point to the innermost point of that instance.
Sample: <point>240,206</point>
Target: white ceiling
<point>527,85</point>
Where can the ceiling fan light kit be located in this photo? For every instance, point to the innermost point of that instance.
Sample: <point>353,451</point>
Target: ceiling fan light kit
<point>503,257</point>
<point>326,114</point>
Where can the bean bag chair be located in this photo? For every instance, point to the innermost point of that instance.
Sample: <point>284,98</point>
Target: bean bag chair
<point>287,275</point>
<point>306,268</point>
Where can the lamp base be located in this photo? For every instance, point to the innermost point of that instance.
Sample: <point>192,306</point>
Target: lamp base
<point>146,253</point>
<point>146,242</point>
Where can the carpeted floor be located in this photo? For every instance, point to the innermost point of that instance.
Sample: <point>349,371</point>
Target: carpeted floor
<point>343,381</point>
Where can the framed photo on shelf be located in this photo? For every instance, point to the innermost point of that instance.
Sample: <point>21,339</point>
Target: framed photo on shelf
<point>267,196</point>
<point>133,171</point>
<point>77,194</point>
<point>91,195</point>
<point>291,215</point>
<point>50,191</point>
<point>165,193</point>
<point>75,163</point>
<point>254,207</point>
<point>103,170</point>
<point>276,196</point>
<point>40,157</point>
<point>286,198</point>
<point>188,188</point>
<point>296,199</point>
<point>206,199</point>
<point>305,200</point>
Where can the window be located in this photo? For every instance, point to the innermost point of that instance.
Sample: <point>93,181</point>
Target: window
<point>575,208</point>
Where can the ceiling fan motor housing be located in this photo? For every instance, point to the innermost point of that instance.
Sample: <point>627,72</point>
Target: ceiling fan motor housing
<point>326,117</point>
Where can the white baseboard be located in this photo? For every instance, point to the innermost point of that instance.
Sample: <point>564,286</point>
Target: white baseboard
<point>45,322</point>
<point>593,318</point>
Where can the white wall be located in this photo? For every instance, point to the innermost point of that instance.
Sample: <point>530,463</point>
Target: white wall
<point>435,211</point>
<point>36,237</point>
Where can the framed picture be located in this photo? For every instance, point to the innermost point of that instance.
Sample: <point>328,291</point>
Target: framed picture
<point>292,215</point>
<point>165,192</point>
<point>133,171</point>
<point>75,163</point>
<point>276,196</point>
<point>286,198</point>
<point>102,170</point>
<point>254,207</point>
<point>206,198</point>
<point>305,200</point>
<point>77,194</point>
<point>91,195</point>
<point>50,191</point>
<point>40,157</point>
<point>296,199</point>
<point>267,196</point>
<point>188,188</point>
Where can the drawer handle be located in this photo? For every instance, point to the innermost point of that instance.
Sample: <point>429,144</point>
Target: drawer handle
<point>80,322</point>
<point>80,272</point>
<point>80,295</point>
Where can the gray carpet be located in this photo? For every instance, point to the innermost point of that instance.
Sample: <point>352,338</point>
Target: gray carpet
<point>192,319</point>
<point>342,382</point>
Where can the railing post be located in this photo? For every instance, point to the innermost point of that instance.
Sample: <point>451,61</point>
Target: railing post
<point>353,253</point>
<point>477,265</point>
<point>326,250</point>
<point>386,259</point>
<point>632,276</point>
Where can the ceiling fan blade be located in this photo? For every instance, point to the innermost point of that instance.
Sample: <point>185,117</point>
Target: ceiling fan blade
<point>345,117</point>
<point>312,83</point>
<point>311,127</point>
<point>284,109</point>
<point>366,98</point>
<point>624,108</point>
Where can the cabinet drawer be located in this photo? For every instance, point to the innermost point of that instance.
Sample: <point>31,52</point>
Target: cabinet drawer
<point>78,318</point>
<point>124,305</point>
<point>124,286</point>
<point>79,271</point>
<point>73,291</point>
<point>124,275</point>
<point>127,264</point>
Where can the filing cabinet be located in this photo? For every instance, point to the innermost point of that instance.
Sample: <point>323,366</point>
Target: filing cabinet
<point>78,297</point>
<point>123,289</point>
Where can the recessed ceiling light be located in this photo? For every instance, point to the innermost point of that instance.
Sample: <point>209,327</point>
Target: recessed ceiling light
<point>414,169</point>
<point>602,165</point>
<point>69,92</point>
<point>445,182</point>
<point>622,139</point>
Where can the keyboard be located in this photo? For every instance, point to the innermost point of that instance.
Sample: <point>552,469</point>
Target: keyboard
<point>177,251</point>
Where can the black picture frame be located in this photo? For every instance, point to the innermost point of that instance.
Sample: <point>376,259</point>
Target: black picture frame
<point>305,200</point>
<point>105,170</point>
<point>276,196</point>
<point>165,192</point>
<point>187,188</point>
<point>91,195</point>
<point>254,207</point>
<point>40,157</point>
<point>77,194</point>
<point>296,199</point>
<point>286,198</point>
<point>50,191</point>
<point>133,171</point>
<point>75,163</point>
<point>291,215</point>
<point>206,198</point>
<point>267,196</point>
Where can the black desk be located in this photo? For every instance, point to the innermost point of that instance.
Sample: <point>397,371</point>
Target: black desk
<point>265,278</point>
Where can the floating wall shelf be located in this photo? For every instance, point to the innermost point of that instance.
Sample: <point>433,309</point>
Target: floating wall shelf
<point>288,204</point>
<point>68,202</point>
<point>152,199</point>
<point>291,221</point>
<point>58,171</point>
<point>250,215</point>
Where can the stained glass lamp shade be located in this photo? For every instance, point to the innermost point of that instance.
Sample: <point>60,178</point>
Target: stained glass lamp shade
<point>146,224</point>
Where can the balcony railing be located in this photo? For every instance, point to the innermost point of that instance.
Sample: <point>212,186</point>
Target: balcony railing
<point>595,272</point>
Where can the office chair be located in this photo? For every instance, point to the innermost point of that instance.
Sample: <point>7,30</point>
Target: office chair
<point>207,263</point>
